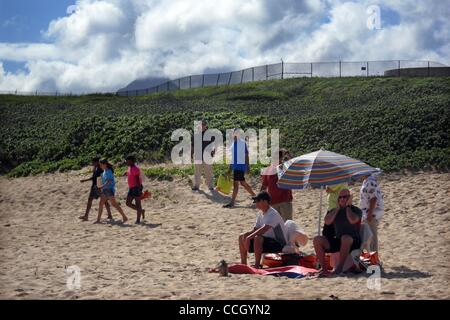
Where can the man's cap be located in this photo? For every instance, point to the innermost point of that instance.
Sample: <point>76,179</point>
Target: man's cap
<point>263,195</point>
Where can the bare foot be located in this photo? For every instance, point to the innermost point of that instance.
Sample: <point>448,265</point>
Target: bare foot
<point>110,217</point>
<point>337,271</point>
<point>323,273</point>
<point>83,217</point>
<point>143,214</point>
<point>97,222</point>
<point>125,220</point>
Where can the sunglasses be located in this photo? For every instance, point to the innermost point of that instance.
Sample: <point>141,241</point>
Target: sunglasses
<point>343,197</point>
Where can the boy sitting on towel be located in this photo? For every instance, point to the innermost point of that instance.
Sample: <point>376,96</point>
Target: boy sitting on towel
<point>268,235</point>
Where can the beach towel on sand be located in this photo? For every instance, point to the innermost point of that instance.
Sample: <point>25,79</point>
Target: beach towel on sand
<point>293,272</point>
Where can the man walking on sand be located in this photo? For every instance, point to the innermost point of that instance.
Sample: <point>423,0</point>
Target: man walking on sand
<point>240,166</point>
<point>94,192</point>
<point>135,188</point>
<point>269,234</point>
<point>198,167</point>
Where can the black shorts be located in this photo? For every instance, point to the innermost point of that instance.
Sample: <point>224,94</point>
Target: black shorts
<point>94,193</point>
<point>269,246</point>
<point>135,191</point>
<point>238,175</point>
<point>335,244</point>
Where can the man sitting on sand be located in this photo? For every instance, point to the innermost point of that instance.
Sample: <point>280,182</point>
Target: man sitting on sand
<point>346,220</point>
<point>268,235</point>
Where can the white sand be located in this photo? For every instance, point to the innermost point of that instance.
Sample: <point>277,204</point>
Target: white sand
<point>186,232</point>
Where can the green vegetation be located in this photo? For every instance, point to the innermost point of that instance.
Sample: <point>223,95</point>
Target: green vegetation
<point>392,123</point>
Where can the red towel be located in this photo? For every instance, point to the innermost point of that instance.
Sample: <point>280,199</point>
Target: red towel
<point>289,271</point>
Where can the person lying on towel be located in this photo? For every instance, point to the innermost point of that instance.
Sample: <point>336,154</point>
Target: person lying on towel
<point>269,233</point>
<point>345,219</point>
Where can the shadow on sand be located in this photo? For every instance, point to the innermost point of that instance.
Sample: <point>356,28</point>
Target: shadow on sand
<point>403,272</point>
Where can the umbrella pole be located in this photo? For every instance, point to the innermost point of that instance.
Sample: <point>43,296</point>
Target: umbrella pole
<point>320,212</point>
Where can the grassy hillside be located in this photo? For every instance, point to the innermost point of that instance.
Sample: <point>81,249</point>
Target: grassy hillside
<point>392,123</point>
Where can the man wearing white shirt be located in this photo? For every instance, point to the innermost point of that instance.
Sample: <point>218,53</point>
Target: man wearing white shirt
<point>268,235</point>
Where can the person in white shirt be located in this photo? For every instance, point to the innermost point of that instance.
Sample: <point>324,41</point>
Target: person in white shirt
<point>269,234</point>
<point>372,206</point>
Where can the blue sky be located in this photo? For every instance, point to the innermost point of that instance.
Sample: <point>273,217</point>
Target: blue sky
<point>105,44</point>
<point>24,20</point>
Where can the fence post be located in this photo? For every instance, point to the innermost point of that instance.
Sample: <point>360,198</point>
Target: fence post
<point>399,68</point>
<point>168,86</point>
<point>179,83</point>
<point>267,72</point>
<point>242,75</point>
<point>253,74</point>
<point>367,68</point>
<point>311,69</point>
<point>428,67</point>
<point>229,78</point>
<point>203,80</point>
<point>282,69</point>
<point>340,69</point>
<point>218,77</point>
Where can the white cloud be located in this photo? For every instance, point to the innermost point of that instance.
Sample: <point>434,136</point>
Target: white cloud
<point>106,44</point>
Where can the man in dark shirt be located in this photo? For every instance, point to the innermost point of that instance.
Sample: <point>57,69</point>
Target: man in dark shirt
<point>345,219</point>
<point>94,192</point>
<point>198,167</point>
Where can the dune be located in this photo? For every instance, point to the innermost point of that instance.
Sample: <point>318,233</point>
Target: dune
<point>185,233</point>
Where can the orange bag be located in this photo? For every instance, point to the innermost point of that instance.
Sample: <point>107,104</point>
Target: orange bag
<point>311,261</point>
<point>370,258</point>
<point>308,261</point>
<point>272,260</point>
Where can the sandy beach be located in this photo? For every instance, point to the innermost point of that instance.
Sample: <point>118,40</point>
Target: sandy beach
<point>185,233</point>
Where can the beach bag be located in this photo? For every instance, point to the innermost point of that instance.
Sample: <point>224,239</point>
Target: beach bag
<point>290,259</point>
<point>272,260</point>
<point>370,258</point>
<point>224,184</point>
<point>308,261</point>
<point>146,194</point>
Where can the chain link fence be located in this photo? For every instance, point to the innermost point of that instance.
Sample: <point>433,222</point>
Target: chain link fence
<point>286,70</point>
<point>283,70</point>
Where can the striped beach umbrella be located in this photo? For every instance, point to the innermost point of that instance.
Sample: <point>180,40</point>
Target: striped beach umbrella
<point>319,169</point>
